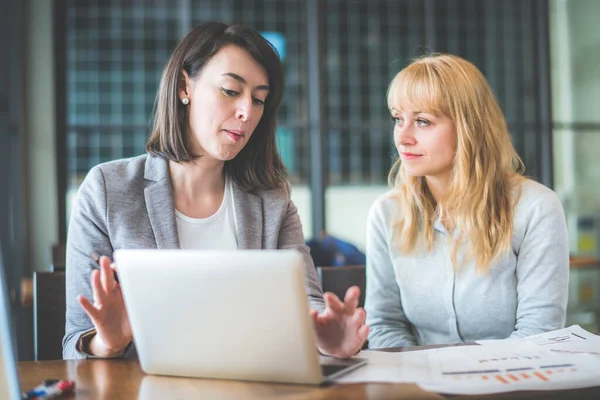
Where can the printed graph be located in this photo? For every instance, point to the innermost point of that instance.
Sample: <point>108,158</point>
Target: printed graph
<point>545,373</point>
<point>507,358</point>
<point>549,362</point>
<point>594,353</point>
<point>485,359</point>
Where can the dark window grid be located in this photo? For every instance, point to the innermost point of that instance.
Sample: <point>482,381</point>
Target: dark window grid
<point>399,51</point>
<point>269,15</point>
<point>509,64</point>
<point>296,76</point>
<point>373,138</point>
<point>517,84</point>
<point>529,95</point>
<point>527,110</point>
<point>476,26</point>
<point>292,145</point>
<point>491,52</point>
<point>334,158</point>
<point>360,161</point>
<point>337,160</point>
<point>285,144</point>
<point>71,161</point>
<point>90,146</point>
<point>336,137</point>
<point>334,68</point>
<point>303,154</point>
<point>499,45</point>
<point>333,83</point>
<point>353,61</point>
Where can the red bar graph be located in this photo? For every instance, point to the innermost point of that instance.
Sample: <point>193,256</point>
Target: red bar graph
<point>509,377</point>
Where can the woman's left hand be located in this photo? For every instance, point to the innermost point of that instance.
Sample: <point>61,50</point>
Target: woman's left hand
<point>341,329</point>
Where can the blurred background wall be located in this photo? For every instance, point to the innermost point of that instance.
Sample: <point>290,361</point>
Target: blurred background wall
<point>575,41</point>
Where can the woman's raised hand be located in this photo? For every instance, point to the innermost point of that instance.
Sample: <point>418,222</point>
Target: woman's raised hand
<point>341,328</point>
<point>107,312</point>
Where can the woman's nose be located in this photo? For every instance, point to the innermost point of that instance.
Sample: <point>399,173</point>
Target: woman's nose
<point>404,135</point>
<point>243,109</point>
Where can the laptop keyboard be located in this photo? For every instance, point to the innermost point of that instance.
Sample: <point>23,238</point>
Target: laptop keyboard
<point>327,370</point>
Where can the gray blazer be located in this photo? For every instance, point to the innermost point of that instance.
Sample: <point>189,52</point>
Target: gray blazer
<point>129,204</point>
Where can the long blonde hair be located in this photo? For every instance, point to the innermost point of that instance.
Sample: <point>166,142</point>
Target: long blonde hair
<point>480,200</point>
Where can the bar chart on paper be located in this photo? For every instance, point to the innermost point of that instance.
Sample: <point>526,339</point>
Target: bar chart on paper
<point>520,366</point>
<point>544,373</point>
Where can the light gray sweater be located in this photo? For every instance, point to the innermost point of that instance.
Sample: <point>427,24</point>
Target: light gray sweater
<point>422,299</point>
<point>128,204</point>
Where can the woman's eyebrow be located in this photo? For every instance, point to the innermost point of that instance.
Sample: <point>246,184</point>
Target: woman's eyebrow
<point>243,81</point>
<point>414,112</point>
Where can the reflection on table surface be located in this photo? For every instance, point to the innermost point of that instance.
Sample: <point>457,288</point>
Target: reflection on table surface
<point>124,379</point>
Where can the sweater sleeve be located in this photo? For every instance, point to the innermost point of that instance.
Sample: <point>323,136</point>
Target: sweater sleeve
<point>87,233</point>
<point>389,326</point>
<point>542,268</point>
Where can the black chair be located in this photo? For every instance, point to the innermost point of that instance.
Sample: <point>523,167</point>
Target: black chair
<point>338,279</point>
<point>49,307</point>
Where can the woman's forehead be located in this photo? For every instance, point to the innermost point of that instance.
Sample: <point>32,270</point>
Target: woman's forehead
<point>416,96</point>
<point>415,107</point>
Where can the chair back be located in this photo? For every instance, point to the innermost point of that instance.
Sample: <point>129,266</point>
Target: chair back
<point>338,279</point>
<point>49,307</point>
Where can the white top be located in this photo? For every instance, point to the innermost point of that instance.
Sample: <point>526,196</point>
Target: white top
<point>217,232</point>
<point>422,299</point>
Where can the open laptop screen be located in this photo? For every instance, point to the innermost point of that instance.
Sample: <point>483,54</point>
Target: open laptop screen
<point>9,384</point>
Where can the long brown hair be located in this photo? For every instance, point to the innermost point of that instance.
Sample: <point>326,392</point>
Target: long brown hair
<point>480,200</point>
<point>258,165</point>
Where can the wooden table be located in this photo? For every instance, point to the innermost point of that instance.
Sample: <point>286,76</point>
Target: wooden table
<point>124,379</point>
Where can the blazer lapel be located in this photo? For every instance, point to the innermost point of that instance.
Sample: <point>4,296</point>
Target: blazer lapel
<point>249,216</point>
<point>159,203</point>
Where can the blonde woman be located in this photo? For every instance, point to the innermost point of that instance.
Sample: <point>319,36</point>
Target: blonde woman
<point>464,247</point>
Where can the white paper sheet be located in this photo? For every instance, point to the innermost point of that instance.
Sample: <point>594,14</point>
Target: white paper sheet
<point>499,366</point>
<point>571,340</point>
<point>508,366</point>
<point>382,366</point>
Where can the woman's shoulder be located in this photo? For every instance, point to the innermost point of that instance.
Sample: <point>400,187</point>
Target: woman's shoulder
<point>282,192</point>
<point>533,196</point>
<point>124,167</point>
<point>272,199</point>
<point>385,206</point>
<point>125,173</point>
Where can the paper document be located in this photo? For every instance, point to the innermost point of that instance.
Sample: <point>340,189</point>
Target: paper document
<point>574,340</point>
<point>571,340</point>
<point>508,366</point>
<point>382,366</point>
<point>552,361</point>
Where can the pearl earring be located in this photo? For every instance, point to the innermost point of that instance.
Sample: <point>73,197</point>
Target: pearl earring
<point>185,101</point>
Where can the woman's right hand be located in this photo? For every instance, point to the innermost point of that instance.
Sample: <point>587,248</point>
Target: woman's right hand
<point>107,313</point>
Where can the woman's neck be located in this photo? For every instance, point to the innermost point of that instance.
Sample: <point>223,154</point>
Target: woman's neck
<point>198,178</point>
<point>438,185</point>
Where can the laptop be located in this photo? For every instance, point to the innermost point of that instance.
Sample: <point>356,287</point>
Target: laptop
<point>239,314</point>
<point>9,382</point>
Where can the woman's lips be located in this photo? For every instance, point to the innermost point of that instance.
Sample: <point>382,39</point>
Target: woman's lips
<point>236,136</point>
<point>410,156</point>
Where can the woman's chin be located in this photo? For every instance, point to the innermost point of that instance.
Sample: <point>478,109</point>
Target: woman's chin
<point>226,155</point>
<point>413,173</point>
